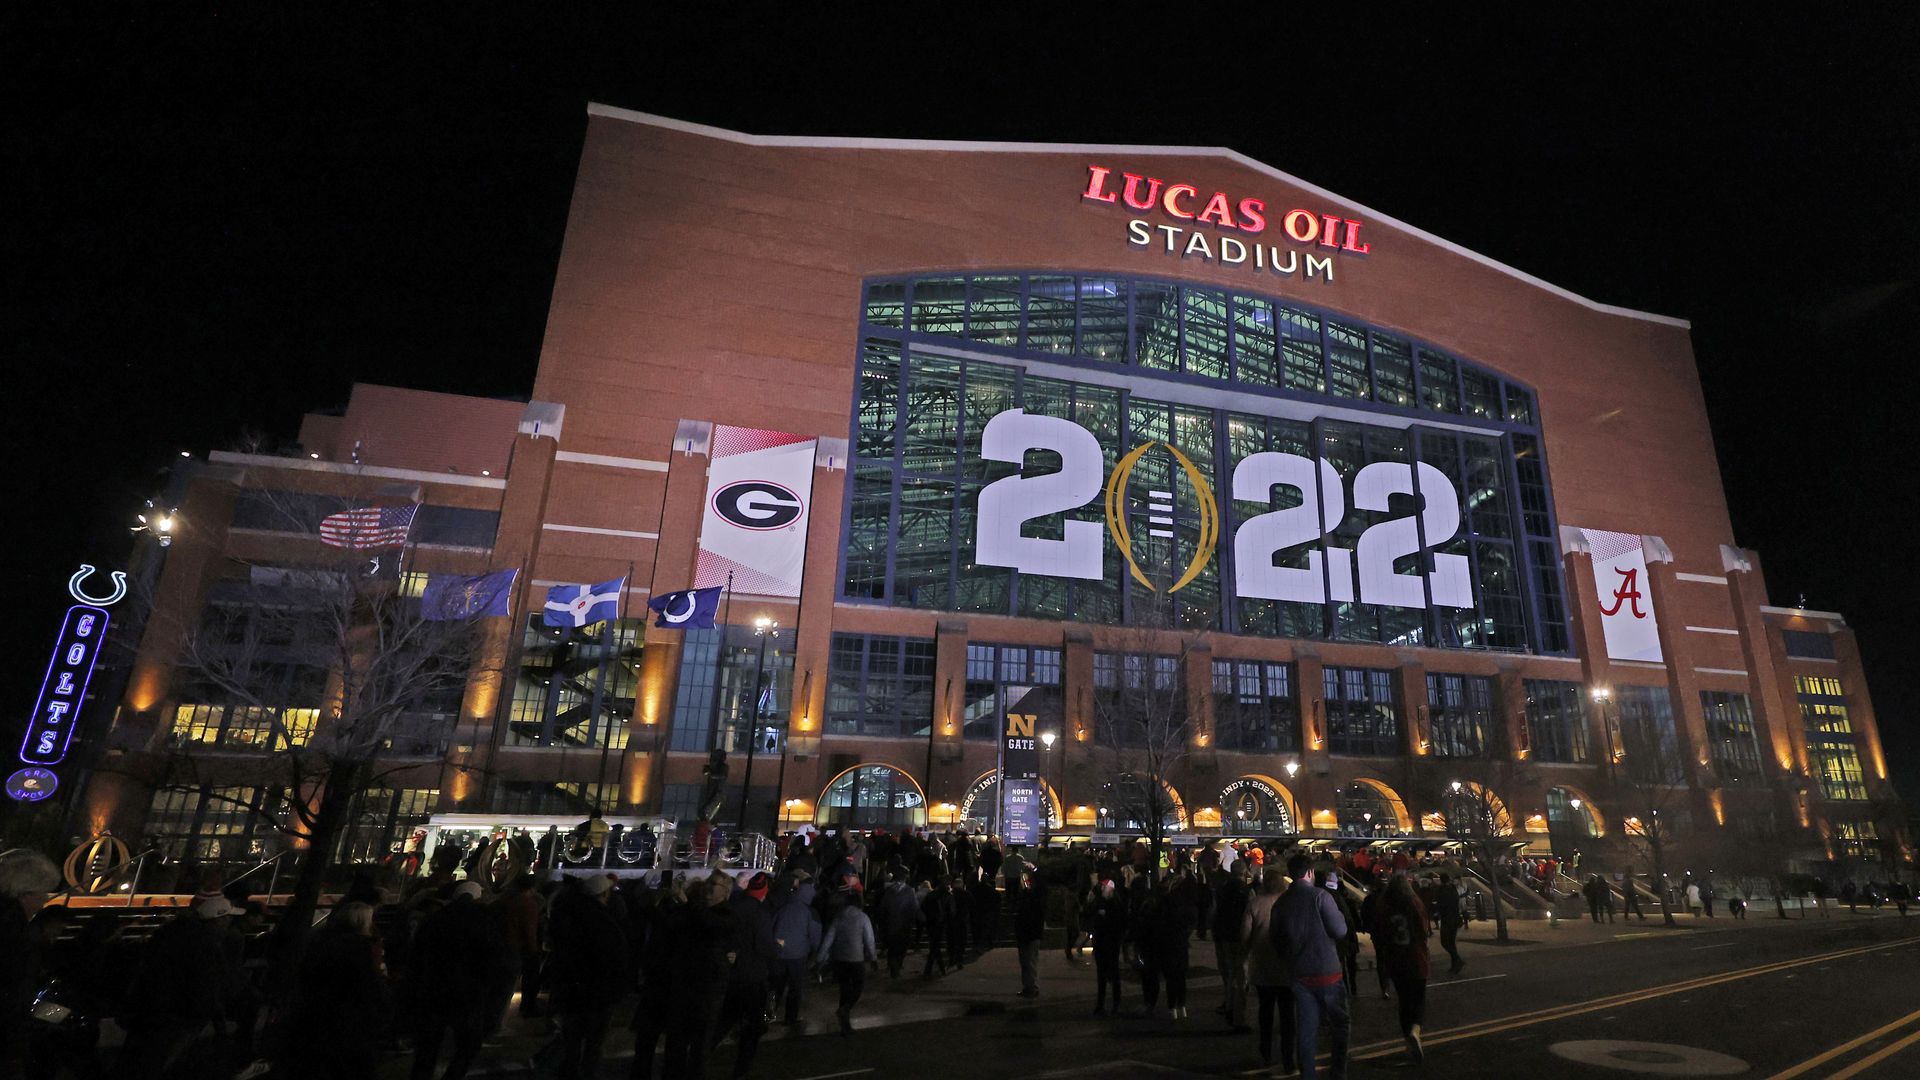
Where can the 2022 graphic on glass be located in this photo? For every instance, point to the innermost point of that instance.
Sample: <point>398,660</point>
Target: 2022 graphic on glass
<point>1379,567</point>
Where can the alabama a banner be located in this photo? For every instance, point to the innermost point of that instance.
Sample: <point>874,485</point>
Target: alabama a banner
<point>759,490</point>
<point>1626,601</point>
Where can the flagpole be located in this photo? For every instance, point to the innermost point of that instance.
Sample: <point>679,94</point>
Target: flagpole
<point>607,658</point>
<point>513,652</point>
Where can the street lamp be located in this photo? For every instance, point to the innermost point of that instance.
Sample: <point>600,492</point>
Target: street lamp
<point>1293,769</point>
<point>766,630</point>
<point>1047,739</point>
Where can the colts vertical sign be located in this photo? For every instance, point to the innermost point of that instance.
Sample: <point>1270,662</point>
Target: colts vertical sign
<point>1626,600</point>
<point>55,714</point>
<point>759,487</point>
<point>1020,780</point>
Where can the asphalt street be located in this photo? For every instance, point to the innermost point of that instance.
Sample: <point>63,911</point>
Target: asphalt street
<point>1766,998</point>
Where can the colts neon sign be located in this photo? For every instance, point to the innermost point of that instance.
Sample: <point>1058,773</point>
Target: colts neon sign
<point>50,728</point>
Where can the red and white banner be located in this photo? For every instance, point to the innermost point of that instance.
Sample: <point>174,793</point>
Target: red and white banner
<point>759,495</point>
<point>1626,600</point>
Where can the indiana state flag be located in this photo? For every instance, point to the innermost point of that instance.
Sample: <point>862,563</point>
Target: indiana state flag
<point>688,609</point>
<point>583,605</point>
<point>457,596</point>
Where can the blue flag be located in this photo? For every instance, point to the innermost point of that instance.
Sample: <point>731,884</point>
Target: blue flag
<point>582,605</point>
<point>689,609</point>
<point>459,596</point>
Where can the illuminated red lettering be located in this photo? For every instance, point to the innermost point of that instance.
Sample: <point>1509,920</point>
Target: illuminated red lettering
<point>1353,239</point>
<point>1218,212</point>
<point>1255,213</point>
<point>1301,225</point>
<point>1174,191</point>
<point>1627,593</point>
<point>1132,192</point>
<point>1097,185</point>
<point>1330,235</point>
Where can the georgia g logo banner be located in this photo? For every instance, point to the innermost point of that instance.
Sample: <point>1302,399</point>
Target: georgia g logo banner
<point>759,487</point>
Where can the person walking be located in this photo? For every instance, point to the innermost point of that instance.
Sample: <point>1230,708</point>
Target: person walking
<point>1400,924</point>
<point>1693,899</point>
<point>1902,896</point>
<point>1178,920</point>
<point>1369,907</point>
<point>1630,896</point>
<point>743,1009</point>
<point>702,967</point>
<point>1350,946</point>
<point>520,914</point>
<point>337,1017</point>
<point>1108,921</point>
<point>1029,927</point>
<point>590,972</point>
<point>848,945</point>
<point>796,937</point>
<point>1447,907</point>
<point>454,955</point>
<point>1850,896</point>
<point>1593,888</point>
<point>1706,898</point>
<point>1149,911</point>
<point>936,912</point>
<point>1307,929</point>
<point>1073,911</point>
<point>1230,898</point>
<point>1267,969</point>
<point>899,917</point>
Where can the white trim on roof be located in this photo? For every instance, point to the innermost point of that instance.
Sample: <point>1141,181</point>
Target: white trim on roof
<point>630,116</point>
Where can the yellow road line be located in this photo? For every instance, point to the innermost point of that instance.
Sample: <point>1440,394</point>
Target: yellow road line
<point>1815,1062</point>
<point>1875,1059</point>
<point>1561,1012</point>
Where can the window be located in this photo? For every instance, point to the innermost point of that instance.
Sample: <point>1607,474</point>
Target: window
<point>1856,840</point>
<point>1647,734</point>
<point>216,825</point>
<point>244,727</point>
<point>872,796</point>
<point>1011,678</point>
<point>1807,645</point>
<point>1360,809</point>
<point>1556,722</point>
<point>1831,751</point>
<point>1254,707</point>
<point>1734,745</point>
<point>563,673</point>
<point>917,474</point>
<point>1459,714</point>
<point>1361,718</point>
<point>381,821</point>
<point>680,803</point>
<point>719,670</point>
<point>880,686</point>
<point>1138,700</point>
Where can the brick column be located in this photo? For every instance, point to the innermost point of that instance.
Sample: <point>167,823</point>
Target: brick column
<point>1312,785</point>
<point>1683,683</point>
<point>1510,712</point>
<point>1410,686</point>
<point>1589,641</point>
<point>1776,708</point>
<point>945,746</point>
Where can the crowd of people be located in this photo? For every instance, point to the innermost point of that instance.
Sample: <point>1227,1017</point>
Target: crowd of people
<point>435,967</point>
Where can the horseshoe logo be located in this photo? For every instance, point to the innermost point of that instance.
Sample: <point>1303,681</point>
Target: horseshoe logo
<point>669,615</point>
<point>119,587</point>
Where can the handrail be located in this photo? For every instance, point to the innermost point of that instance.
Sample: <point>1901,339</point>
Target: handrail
<point>248,872</point>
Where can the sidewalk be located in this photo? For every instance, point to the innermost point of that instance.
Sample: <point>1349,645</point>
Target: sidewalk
<point>989,986</point>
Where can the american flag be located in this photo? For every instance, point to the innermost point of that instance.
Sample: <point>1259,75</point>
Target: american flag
<point>368,527</point>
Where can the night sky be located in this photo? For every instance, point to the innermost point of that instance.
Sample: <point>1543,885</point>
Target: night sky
<point>220,221</point>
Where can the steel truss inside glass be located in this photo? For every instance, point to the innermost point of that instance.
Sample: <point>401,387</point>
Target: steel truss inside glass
<point>1217,376</point>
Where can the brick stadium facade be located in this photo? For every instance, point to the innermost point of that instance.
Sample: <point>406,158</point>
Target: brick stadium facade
<point>1272,347</point>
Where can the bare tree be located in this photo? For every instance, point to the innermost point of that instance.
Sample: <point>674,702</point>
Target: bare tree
<point>1474,814</point>
<point>325,668</point>
<point>1649,779</point>
<point>1143,730</point>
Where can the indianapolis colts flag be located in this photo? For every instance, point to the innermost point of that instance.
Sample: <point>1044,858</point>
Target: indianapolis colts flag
<point>689,609</point>
<point>583,605</point>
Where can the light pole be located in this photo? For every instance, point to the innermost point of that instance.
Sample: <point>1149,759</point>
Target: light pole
<point>1046,797</point>
<point>765,629</point>
<point>1602,700</point>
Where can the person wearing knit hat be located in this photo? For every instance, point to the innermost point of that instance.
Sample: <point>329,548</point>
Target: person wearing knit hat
<point>757,885</point>
<point>743,1007</point>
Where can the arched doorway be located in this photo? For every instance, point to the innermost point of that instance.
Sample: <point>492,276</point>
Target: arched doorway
<point>872,796</point>
<point>1367,807</point>
<point>1256,805</point>
<point>1126,803</point>
<point>976,810</point>
<point>1472,812</point>
<point>1571,821</point>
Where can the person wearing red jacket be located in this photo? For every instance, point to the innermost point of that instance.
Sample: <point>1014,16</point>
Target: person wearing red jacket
<point>1400,933</point>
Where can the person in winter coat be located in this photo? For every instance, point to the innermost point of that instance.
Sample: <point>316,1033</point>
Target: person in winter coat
<point>1369,907</point>
<point>938,914</point>
<point>589,972</point>
<point>455,953</point>
<point>1400,932</point>
<point>1029,926</point>
<point>1230,897</point>
<point>743,1010</point>
<point>899,916</point>
<point>1174,935</point>
<point>1267,970</point>
<point>520,914</point>
<point>337,1018</point>
<point>1147,908</point>
<point>186,980</point>
<point>796,937</point>
<point>1308,930</point>
<point>1446,905</point>
<point>701,967</point>
<point>1107,919</point>
<point>848,945</point>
